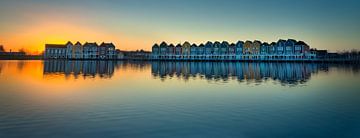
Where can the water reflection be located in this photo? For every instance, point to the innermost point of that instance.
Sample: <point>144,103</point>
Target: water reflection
<point>87,69</point>
<point>134,102</point>
<point>258,72</point>
<point>249,72</point>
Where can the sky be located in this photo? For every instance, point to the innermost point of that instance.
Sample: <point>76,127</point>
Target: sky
<point>138,24</point>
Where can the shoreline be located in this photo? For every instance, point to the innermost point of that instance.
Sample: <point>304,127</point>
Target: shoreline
<point>185,60</point>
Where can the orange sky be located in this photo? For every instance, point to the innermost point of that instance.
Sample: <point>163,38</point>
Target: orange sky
<point>133,25</point>
<point>34,37</point>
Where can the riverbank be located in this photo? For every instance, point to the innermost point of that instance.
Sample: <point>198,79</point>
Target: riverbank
<point>348,61</point>
<point>22,57</point>
<point>357,61</point>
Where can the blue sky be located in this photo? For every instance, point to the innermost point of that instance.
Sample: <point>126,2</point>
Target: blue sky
<point>137,24</point>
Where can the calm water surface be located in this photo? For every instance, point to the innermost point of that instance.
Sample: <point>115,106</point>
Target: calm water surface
<point>178,99</point>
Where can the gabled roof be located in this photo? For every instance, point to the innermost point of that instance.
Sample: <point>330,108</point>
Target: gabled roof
<point>247,41</point>
<point>178,45</point>
<point>163,44</point>
<point>239,42</point>
<point>265,44</point>
<point>193,45</point>
<point>292,40</point>
<point>69,43</point>
<point>186,44</point>
<point>281,40</point>
<point>201,45</point>
<point>102,44</point>
<point>107,45</point>
<point>208,43</point>
<point>90,44</point>
<point>171,45</point>
<point>257,41</point>
<point>225,43</point>
<point>155,46</point>
<point>217,43</point>
<point>301,43</point>
<point>78,43</point>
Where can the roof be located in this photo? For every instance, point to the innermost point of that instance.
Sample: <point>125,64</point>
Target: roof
<point>301,43</point>
<point>55,46</point>
<point>265,43</point>
<point>239,42</point>
<point>90,44</point>
<point>171,45</point>
<point>69,43</point>
<point>186,44</point>
<point>225,43</point>
<point>178,45</point>
<point>163,44</point>
<point>247,41</point>
<point>155,46</point>
<point>208,43</point>
<point>78,43</point>
<point>292,40</point>
<point>257,41</point>
<point>281,40</point>
<point>107,45</point>
<point>217,43</point>
<point>193,45</point>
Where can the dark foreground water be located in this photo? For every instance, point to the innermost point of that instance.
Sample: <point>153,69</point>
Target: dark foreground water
<point>178,99</point>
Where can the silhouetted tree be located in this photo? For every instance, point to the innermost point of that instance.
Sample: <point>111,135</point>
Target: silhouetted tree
<point>23,50</point>
<point>2,49</point>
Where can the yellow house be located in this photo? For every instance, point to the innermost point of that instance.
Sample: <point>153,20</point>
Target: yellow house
<point>248,48</point>
<point>186,48</point>
<point>256,47</point>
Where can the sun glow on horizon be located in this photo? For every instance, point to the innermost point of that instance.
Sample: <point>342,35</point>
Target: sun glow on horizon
<point>33,37</point>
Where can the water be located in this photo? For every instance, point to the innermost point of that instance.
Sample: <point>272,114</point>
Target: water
<point>178,99</point>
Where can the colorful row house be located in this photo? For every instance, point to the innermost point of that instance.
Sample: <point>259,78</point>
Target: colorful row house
<point>249,50</point>
<point>79,51</point>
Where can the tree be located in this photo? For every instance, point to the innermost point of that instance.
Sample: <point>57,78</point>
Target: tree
<point>23,50</point>
<point>2,49</point>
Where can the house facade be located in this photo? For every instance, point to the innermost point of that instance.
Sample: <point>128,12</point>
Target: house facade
<point>90,51</point>
<point>106,51</point>
<point>77,51</point>
<point>249,50</point>
<point>55,51</point>
<point>69,50</point>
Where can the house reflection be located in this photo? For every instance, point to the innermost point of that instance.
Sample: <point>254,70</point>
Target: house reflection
<point>285,73</point>
<point>77,68</point>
